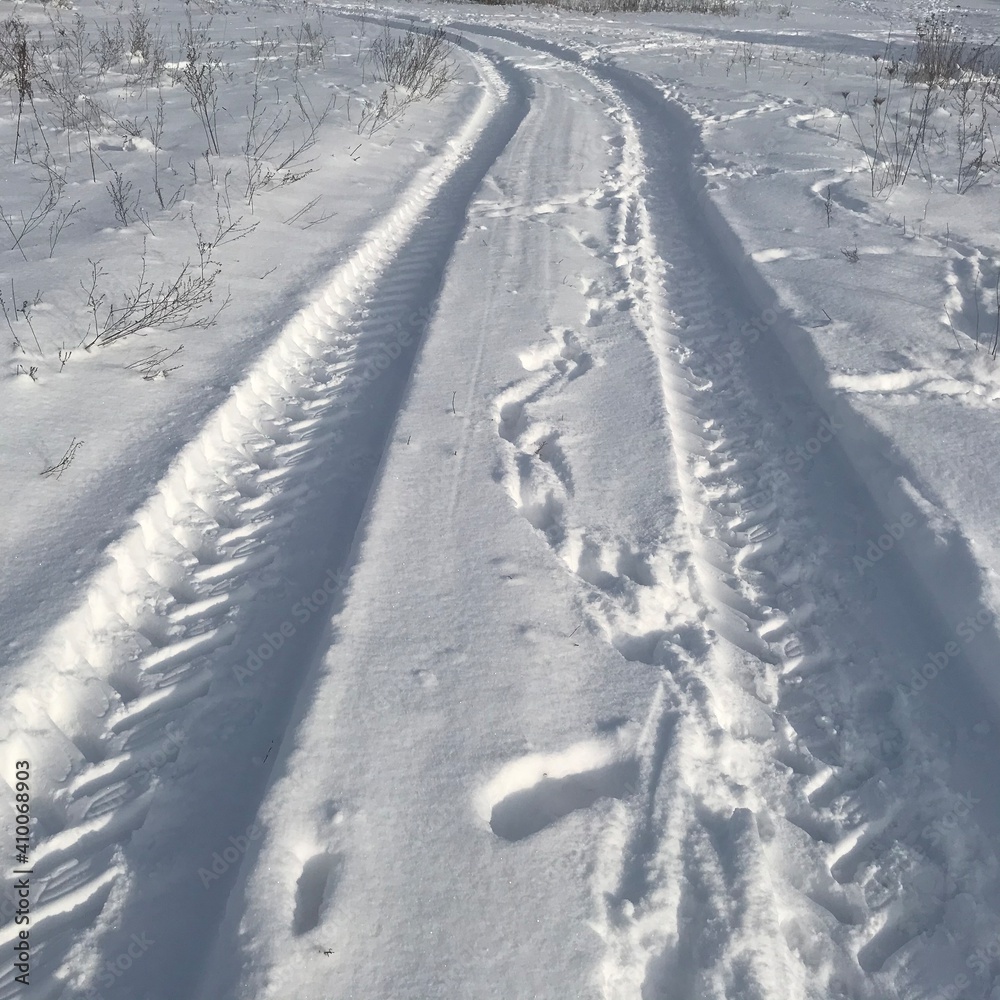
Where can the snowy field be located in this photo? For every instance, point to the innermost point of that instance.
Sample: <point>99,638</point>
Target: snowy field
<point>500,501</point>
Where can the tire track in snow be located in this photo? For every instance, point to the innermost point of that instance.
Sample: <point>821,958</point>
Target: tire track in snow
<point>843,821</point>
<point>192,641</point>
<point>708,867</point>
<point>644,602</point>
<point>836,774</point>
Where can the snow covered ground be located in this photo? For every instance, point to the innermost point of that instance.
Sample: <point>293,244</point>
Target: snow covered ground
<point>561,564</point>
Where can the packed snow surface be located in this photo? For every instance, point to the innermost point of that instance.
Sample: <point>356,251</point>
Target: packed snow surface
<point>526,532</point>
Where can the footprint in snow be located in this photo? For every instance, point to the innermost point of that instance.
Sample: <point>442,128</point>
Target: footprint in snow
<point>532,793</point>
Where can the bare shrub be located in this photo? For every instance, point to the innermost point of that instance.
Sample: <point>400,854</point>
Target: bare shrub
<point>413,65</point>
<point>375,115</point>
<point>157,364</point>
<point>199,79</point>
<point>269,162</point>
<point>68,62</point>
<point>58,468</point>
<point>310,44</point>
<point>126,202</point>
<point>418,62</point>
<point>942,54</point>
<point>22,314</point>
<point>145,47</point>
<point>109,49</point>
<point>964,77</point>
<point>61,222</point>
<point>17,65</point>
<point>167,305</point>
<point>22,225</point>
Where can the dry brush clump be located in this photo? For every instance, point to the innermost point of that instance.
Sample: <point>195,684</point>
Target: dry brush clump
<point>19,68</point>
<point>168,304</point>
<point>114,108</point>
<point>941,100</point>
<point>942,54</point>
<point>416,62</point>
<point>78,112</point>
<point>413,65</point>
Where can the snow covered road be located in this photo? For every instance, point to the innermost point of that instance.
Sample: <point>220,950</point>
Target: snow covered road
<point>528,654</point>
<point>751,832</point>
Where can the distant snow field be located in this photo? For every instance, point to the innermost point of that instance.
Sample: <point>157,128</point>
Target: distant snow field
<point>499,501</point>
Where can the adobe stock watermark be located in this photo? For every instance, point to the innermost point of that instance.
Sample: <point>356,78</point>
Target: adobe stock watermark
<point>878,547</point>
<point>942,829</point>
<point>115,968</point>
<point>966,631</point>
<point>883,750</point>
<point>401,335</point>
<point>742,334</point>
<point>230,855</point>
<point>979,963</point>
<point>773,481</point>
<point>302,611</point>
<point>162,754</point>
<point>801,455</point>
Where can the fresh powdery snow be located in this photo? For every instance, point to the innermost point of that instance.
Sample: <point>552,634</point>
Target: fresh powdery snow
<point>500,502</point>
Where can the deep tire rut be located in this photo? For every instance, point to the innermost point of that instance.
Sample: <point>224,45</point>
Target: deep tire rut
<point>794,680</point>
<point>197,633</point>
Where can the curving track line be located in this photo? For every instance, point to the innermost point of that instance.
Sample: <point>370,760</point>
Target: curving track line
<point>782,840</point>
<point>189,647</point>
<point>768,829</point>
